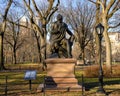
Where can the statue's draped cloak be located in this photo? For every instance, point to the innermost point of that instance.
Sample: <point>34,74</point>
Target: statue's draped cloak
<point>58,31</point>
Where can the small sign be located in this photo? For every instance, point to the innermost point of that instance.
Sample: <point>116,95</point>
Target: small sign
<point>30,75</point>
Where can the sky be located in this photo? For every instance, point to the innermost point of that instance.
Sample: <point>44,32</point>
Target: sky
<point>13,8</point>
<point>62,2</point>
<point>66,1</point>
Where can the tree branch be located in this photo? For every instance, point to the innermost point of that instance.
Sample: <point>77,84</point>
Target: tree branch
<point>98,2</point>
<point>34,25</point>
<point>7,9</point>
<point>28,6</point>
<point>105,3</point>
<point>18,24</point>
<point>8,41</point>
<point>102,5</point>
<point>49,8</point>
<point>92,1</point>
<point>110,4</point>
<point>20,44</point>
<point>53,11</point>
<point>115,8</point>
<point>114,26</point>
<point>36,8</point>
<point>5,15</point>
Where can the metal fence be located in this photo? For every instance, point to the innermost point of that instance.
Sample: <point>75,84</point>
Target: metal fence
<point>49,84</point>
<point>9,86</point>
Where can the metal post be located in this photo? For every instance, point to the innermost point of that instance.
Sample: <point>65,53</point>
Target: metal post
<point>6,85</point>
<point>100,89</point>
<point>100,29</point>
<point>30,85</point>
<point>82,85</point>
<point>44,86</point>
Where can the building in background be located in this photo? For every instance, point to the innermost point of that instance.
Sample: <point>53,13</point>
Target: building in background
<point>115,45</point>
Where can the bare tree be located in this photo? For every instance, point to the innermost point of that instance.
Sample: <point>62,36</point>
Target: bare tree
<point>114,22</point>
<point>14,36</point>
<point>2,31</point>
<point>37,37</point>
<point>44,18</point>
<point>106,9</point>
<point>12,22</point>
<point>81,20</point>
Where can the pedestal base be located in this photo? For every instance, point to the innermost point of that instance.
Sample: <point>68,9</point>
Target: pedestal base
<point>60,74</point>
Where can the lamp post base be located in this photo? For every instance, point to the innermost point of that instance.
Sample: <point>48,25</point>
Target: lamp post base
<point>101,92</point>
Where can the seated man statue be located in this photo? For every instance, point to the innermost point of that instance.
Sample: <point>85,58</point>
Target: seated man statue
<point>58,41</point>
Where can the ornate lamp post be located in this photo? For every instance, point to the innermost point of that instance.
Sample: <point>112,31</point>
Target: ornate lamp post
<point>99,29</point>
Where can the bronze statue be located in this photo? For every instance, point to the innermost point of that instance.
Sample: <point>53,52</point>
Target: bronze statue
<point>59,43</point>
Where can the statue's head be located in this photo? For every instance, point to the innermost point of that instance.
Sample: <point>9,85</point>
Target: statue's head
<point>59,17</point>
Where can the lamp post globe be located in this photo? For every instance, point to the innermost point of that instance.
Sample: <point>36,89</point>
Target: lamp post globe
<point>100,29</point>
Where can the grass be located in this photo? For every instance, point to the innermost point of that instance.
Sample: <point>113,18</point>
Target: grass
<point>23,66</point>
<point>15,78</point>
<point>19,84</point>
<point>20,87</point>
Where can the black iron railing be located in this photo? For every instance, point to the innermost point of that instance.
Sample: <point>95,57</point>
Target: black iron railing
<point>10,85</point>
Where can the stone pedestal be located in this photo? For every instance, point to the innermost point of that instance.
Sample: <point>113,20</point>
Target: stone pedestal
<point>60,72</point>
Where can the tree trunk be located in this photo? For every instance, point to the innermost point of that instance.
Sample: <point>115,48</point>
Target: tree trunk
<point>43,51</point>
<point>97,48</point>
<point>97,61</point>
<point>108,49</point>
<point>83,56</point>
<point>14,55</point>
<point>39,53</point>
<point>1,52</point>
<point>107,43</point>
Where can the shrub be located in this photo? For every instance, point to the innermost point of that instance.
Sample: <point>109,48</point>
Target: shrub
<point>116,71</point>
<point>106,71</point>
<point>93,71</point>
